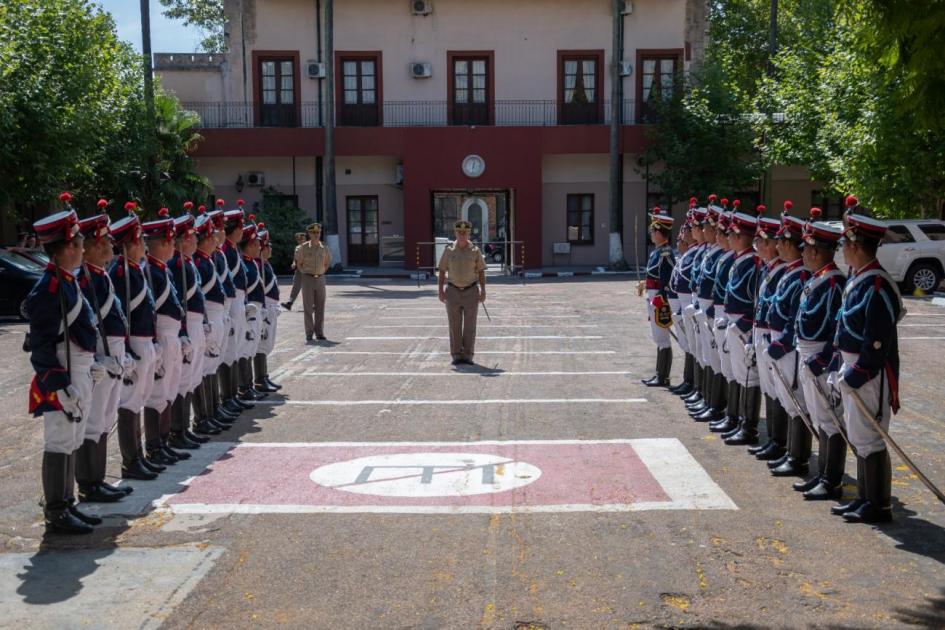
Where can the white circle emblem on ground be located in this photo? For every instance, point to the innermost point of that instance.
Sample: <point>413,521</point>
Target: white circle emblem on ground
<point>426,474</point>
<point>473,166</point>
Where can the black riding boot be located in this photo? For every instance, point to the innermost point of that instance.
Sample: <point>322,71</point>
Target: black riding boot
<point>132,463</point>
<point>664,361</point>
<point>831,477</point>
<point>814,481</point>
<point>56,514</point>
<point>265,365</point>
<point>769,427</point>
<point>88,519</point>
<point>717,400</point>
<point>698,377</point>
<point>247,391</point>
<point>729,421</point>
<point>799,447</point>
<point>779,431</point>
<point>219,413</point>
<point>751,408</point>
<point>86,473</point>
<point>877,508</point>
<point>259,372</point>
<point>180,420</point>
<point>101,467</point>
<point>685,386</point>
<point>855,504</point>
<point>697,402</point>
<point>204,422</point>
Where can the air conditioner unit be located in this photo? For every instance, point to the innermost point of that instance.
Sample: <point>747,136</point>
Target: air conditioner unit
<point>626,68</point>
<point>421,70</point>
<point>421,7</point>
<point>626,7</point>
<point>316,70</point>
<point>255,178</point>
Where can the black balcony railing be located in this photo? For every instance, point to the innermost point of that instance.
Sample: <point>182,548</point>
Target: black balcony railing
<point>509,113</point>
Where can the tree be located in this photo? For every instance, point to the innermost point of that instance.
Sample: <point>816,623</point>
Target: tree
<point>207,15</point>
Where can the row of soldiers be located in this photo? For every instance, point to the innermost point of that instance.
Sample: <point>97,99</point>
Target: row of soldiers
<point>763,313</point>
<point>171,319</point>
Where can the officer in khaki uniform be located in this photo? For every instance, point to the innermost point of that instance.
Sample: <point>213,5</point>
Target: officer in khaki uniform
<point>463,269</point>
<point>312,260</point>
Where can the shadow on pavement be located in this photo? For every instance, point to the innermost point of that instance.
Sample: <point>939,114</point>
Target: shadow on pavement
<point>929,615</point>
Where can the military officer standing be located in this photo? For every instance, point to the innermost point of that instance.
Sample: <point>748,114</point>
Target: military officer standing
<point>62,351</point>
<point>691,308</point>
<point>681,284</point>
<point>300,238</point>
<point>267,339</point>
<point>312,260</point>
<point>728,408</point>
<point>659,268</point>
<point>816,327</point>
<point>462,286</point>
<point>868,378</point>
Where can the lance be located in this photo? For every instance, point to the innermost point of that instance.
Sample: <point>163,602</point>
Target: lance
<point>790,390</point>
<point>825,399</point>
<point>905,458</point>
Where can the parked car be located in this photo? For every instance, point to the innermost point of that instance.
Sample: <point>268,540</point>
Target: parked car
<point>913,253</point>
<point>18,275</point>
<point>36,255</point>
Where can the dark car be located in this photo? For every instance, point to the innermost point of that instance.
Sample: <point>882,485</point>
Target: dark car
<point>18,275</point>
<point>36,255</point>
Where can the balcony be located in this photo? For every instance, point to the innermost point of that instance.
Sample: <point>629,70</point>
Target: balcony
<point>507,113</point>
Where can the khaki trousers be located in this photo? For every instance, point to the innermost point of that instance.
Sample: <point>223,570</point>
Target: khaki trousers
<point>462,308</point>
<point>296,286</point>
<point>313,305</point>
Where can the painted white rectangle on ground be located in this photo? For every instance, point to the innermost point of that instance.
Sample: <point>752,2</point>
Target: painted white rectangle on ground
<point>489,477</point>
<point>475,401</point>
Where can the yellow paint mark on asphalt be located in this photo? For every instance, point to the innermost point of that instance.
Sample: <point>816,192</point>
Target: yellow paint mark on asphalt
<point>779,546</point>
<point>248,596</point>
<point>709,438</point>
<point>488,615</point>
<point>717,541</point>
<point>559,572</point>
<point>902,468</point>
<point>701,575</point>
<point>808,589</point>
<point>676,600</point>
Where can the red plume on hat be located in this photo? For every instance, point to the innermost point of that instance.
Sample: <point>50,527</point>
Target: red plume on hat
<point>102,204</point>
<point>713,198</point>
<point>787,207</point>
<point>852,201</point>
<point>66,198</point>
<point>163,212</point>
<point>240,203</point>
<point>220,203</point>
<point>736,204</point>
<point>260,225</point>
<point>724,202</point>
<point>188,206</point>
<point>251,217</point>
<point>815,214</point>
<point>760,209</point>
<point>201,208</point>
<point>130,207</point>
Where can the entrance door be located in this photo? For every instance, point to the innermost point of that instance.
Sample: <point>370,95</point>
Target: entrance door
<point>362,231</point>
<point>359,103</point>
<point>277,92</point>
<point>476,212</point>
<point>487,210</point>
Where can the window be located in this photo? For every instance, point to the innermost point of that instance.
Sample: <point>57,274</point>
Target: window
<point>470,88</point>
<point>935,231</point>
<point>581,219</point>
<point>832,206</point>
<point>657,79</point>
<point>898,234</point>
<point>580,88</point>
<point>359,90</point>
<point>277,83</point>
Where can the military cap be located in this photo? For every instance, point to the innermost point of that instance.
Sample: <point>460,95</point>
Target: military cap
<point>742,223</point>
<point>262,234</point>
<point>162,227</point>
<point>95,227</point>
<point>59,226</point>
<point>660,221</point>
<point>250,229</point>
<point>820,233</point>
<point>184,224</point>
<point>314,227</point>
<point>767,228</point>
<point>857,227</point>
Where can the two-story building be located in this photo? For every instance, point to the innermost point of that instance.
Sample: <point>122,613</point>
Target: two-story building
<point>491,110</point>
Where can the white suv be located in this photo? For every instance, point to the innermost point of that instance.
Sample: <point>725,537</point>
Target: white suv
<point>913,252</point>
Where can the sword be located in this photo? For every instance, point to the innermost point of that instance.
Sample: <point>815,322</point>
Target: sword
<point>825,399</point>
<point>790,390</point>
<point>905,458</point>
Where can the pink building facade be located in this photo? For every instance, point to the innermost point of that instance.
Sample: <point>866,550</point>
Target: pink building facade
<point>498,112</point>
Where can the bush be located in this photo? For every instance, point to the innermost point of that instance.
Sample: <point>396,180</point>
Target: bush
<point>282,222</point>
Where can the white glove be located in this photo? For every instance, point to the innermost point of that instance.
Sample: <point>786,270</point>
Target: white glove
<point>129,369</point>
<point>264,333</point>
<point>158,361</point>
<point>212,350</point>
<point>720,323</point>
<point>186,349</point>
<point>113,366</point>
<point>251,311</point>
<point>207,327</point>
<point>98,372</point>
<point>250,335</point>
<point>69,400</point>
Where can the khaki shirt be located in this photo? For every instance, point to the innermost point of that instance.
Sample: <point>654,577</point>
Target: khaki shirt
<point>462,264</point>
<point>312,259</point>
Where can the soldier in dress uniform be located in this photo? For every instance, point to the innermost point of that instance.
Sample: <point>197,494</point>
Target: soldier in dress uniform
<point>681,284</point>
<point>98,290</point>
<point>782,351</point>
<point>170,336</point>
<point>240,311</point>
<point>267,341</point>
<point>128,277</point>
<point>815,327</point>
<point>300,238</point>
<point>187,285</point>
<point>740,310</point>
<point>729,399</point>
<point>462,286</point>
<point>256,313</point>
<point>776,420</point>
<point>868,343</point>
<point>63,341</point>
<point>710,405</point>
<point>312,260</point>
<point>659,268</point>
<point>691,308</point>
<point>226,373</point>
<point>206,394</point>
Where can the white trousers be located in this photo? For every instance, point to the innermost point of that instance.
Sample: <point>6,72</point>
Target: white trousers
<point>820,412</point>
<point>192,373</point>
<point>272,310</point>
<point>165,389</point>
<point>679,323</point>
<point>710,351</point>
<point>725,356</point>
<point>690,312</point>
<point>864,438</point>
<point>660,335</point>
<point>219,329</point>
<point>253,325</point>
<point>134,396</point>
<point>765,378</point>
<point>744,368</point>
<point>237,313</point>
<point>787,364</point>
<point>61,435</point>
<point>103,410</point>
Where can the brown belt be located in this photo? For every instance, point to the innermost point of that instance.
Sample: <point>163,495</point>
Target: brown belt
<point>314,275</point>
<point>468,286</point>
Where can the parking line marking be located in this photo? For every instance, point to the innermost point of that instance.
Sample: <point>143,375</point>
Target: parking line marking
<point>497,401</point>
<point>507,326</point>
<point>406,353</point>
<point>314,373</point>
<point>479,337</point>
<point>919,338</point>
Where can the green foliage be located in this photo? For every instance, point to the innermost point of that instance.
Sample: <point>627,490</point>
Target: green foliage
<point>207,15</point>
<point>282,222</point>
